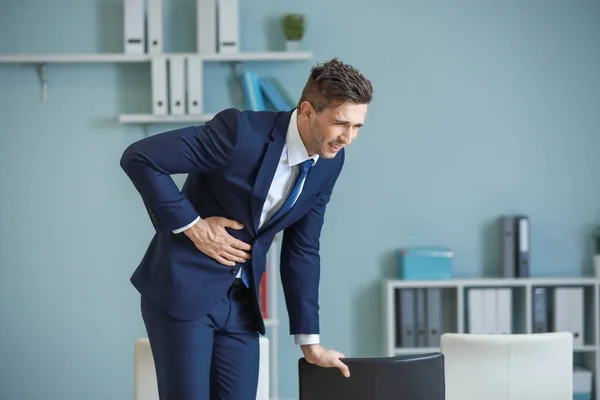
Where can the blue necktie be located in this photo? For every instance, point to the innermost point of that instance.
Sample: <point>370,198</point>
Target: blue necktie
<point>294,193</point>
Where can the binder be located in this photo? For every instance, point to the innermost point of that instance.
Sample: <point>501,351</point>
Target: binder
<point>503,311</point>
<point>253,96</point>
<point>134,26</point>
<point>421,326</point>
<point>488,308</point>
<point>434,316</point>
<point>177,84</point>
<point>206,26</point>
<point>507,224</point>
<point>407,317</point>
<point>228,26</point>
<point>523,249</point>
<point>159,85</point>
<point>475,310</point>
<point>194,84</point>
<point>155,27</point>
<point>576,315</point>
<point>540,310</point>
<point>568,312</point>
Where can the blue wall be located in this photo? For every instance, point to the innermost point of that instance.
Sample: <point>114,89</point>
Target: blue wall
<point>481,108</point>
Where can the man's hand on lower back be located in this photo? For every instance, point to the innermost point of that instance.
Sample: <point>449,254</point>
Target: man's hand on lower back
<point>317,354</point>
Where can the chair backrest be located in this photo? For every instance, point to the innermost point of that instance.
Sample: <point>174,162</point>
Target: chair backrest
<point>508,366</point>
<point>383,378</point>
<point>145,385</point>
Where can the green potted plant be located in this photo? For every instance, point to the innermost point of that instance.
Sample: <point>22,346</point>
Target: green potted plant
<point>292,26</point>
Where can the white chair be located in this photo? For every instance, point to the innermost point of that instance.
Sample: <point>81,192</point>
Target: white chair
<point>509,367</point>
<point>145,386</point>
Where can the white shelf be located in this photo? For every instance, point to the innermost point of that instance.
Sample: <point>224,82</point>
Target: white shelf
<point>493,282</point>
<point>121,57</point>
<point>153,119</point>
<point>72,58</point>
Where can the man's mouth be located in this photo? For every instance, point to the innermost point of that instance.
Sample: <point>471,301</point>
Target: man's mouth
<point>334,148</point>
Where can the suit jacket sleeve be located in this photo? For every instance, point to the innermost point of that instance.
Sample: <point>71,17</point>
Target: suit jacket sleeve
<point>301,265</point>
<point>196,149</point>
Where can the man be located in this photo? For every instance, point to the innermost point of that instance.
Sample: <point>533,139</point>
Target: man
<point>250,175</point>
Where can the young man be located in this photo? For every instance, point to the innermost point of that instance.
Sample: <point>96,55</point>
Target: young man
<point>250,175</point>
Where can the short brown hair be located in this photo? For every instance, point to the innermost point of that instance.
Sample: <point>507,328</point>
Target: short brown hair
<point>336,82</point>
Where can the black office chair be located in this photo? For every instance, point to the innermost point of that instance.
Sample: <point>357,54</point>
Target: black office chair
<point>414,377</point>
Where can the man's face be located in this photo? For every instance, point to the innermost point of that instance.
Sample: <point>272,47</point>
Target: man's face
<point>333,128</point>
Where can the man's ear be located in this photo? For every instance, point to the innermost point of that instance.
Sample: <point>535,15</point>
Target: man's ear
<point>306,109</point>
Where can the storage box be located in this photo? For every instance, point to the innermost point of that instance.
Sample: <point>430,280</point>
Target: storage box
<point>582,383</point>
<point>417,263</point>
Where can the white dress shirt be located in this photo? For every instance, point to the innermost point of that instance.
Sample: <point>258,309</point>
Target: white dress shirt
<point>293,153</point>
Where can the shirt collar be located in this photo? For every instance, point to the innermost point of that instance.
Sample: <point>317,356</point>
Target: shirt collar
<point>296,151</point>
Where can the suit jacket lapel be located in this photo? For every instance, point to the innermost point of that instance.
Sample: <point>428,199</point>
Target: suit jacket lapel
<point>307,189</point>
<point>268,166</point>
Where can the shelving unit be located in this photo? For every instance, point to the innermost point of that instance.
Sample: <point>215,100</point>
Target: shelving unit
<point>454,300</point>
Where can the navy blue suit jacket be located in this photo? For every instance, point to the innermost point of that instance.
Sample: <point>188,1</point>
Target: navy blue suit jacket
<point>230,162</point>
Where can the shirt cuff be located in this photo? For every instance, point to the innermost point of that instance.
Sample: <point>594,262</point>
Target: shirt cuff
<point>301,339</point>
<point>187,226</point>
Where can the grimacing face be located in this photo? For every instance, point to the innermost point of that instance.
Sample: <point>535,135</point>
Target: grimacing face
<point>332,129</point>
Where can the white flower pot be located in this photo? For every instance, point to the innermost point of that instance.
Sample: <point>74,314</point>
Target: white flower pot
<point>292,45</point>
<point>597,265</point>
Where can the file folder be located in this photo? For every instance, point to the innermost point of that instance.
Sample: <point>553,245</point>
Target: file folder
<point>523,249</point>
<point>434,316</point>
<point>421,327</point>
<point>488,307</point>
<point>206,26</point>
<point>568,312</point>
<point>407,317</point>
<point>503,311</point>
<point>475,310</point>
<point>155,26</point>
<point>159,85</point>
<point>508,246</point>
<point>228,26</point>
<point>540,310</point>
<point>177,84</point>
<point>194,84</point>
<point>134,26</point>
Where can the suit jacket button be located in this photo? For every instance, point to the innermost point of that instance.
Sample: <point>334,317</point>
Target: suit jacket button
<point>234,270</point>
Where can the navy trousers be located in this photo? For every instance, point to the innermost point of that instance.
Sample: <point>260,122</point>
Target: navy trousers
<point>215,357</point>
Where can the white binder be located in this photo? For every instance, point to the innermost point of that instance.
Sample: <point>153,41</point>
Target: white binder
<point>134,26</point>
<point>489,310</point>
<point>177,85</point>
<point>194,84</point>
<point>155,26</point>
<point>206,26</point>
<point>576,315</point>
<point>568,312</point>
<point>503,310</point>
<point>475,310</point>
<point>228,26</point>
<point>159,85</point>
